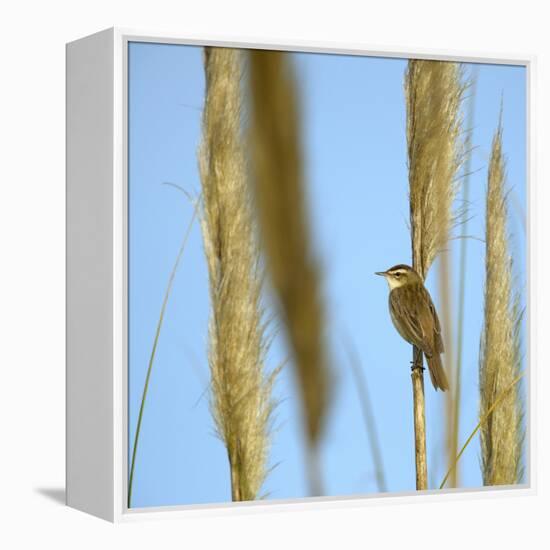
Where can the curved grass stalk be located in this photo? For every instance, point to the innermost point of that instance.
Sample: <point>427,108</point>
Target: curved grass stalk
<point>482,420</point>
<point>368,416</point>
<point>154,348</point>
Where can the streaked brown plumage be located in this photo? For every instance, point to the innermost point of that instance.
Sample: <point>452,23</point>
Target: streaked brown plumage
<point>415,318</point>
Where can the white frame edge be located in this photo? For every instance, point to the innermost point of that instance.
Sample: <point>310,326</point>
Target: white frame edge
<point>91,151</point>
<point>113,441</point>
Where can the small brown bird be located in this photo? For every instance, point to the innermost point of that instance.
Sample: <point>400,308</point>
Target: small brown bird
<point>414,316</point>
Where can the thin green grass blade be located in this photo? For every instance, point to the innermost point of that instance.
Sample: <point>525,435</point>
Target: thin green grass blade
<point>368,415</point>
<point>154,349</point>
<point>482,420</point>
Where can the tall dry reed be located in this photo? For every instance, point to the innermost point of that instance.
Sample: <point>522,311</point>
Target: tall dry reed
<point>241,398</point>
<point>276,161</point>
<point>501,434</point>
<point>433,92</point>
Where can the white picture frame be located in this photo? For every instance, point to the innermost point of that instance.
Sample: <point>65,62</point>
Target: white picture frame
<point>96,172</point>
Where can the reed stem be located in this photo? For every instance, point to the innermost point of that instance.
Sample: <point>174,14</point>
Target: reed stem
<point>421,461</point>
<point>433,93</point>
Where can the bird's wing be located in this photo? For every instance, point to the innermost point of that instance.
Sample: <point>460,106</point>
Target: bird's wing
<point>411,309</point>
<point>438,340</point>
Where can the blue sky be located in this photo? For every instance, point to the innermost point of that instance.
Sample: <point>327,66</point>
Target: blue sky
<point>353,118</point>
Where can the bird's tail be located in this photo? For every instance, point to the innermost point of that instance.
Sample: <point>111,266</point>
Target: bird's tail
<point>437,373</point>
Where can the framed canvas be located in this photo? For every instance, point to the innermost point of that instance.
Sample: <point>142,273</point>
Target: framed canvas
<point>230,347</point>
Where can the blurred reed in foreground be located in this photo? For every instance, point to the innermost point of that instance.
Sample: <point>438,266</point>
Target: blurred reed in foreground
<point>276,162</point>
<point>433,92</point>
<point>241,399</point>
<point>501,434</point>
<point>453,418</point>
<point>445,285</point>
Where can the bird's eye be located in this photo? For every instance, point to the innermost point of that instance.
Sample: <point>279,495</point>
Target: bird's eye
<point>397,275</point>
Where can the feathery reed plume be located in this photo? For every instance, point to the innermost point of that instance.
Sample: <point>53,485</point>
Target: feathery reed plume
<point>433,91</point>
<point>280,196</point>
<point>241,399</point>
<point>502,434</point>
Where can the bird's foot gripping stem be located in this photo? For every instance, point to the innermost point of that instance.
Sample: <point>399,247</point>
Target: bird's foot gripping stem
<point>416,364</point>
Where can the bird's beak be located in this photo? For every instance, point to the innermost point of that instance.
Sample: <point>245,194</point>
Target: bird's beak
<point>382,273</point>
